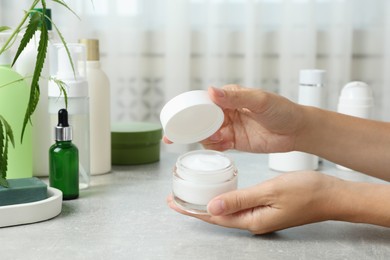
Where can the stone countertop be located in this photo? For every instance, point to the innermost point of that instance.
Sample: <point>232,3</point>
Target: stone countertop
<point>123,215</point>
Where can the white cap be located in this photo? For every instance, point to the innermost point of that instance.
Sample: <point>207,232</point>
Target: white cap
<point>76,83</point>
<point>356,93</point>
<point>312,77</point>
<point>356,99</point>
<point>191,117</point>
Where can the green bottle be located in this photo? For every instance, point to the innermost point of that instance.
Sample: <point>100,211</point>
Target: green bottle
<point>14,96</point>
<point>64,160</point>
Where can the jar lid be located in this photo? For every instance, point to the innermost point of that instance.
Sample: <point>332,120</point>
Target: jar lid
<point>191,117</point>
<point>135,133</point>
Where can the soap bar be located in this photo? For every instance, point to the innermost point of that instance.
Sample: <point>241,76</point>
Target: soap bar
<point>23,190</point>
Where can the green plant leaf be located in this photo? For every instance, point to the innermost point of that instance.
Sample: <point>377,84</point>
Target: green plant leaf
<point>66,47</point>
<point>4,28</point>
<point>4,129</point>
<point>34,90</point>
<point>14,34</point>
<point>4,166</point>
<point>62,86</point>
<point>8,130</point>
<point>12,82</point>
<point>66,6</point>
<point>4,182</point>
<point>32,27</point>
<point>2,142</point>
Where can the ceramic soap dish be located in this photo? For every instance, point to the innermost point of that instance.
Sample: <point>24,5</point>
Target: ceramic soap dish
<point>27,213</point>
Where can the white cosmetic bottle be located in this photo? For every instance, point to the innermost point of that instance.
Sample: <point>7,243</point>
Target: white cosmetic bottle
<point>78,103</point>
<point>311,87</point>
<point>41,129</point>
<point>99,109</point>
<point>356,99</point>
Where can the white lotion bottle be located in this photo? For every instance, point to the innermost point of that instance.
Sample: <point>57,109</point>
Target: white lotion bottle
<point>78,102</point>
<point>311,88</point>
<point>356,99</point>
<point>41,130</point>
<point>99,109</point>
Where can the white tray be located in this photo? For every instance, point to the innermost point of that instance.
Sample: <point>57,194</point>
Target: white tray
<point>26,213</point>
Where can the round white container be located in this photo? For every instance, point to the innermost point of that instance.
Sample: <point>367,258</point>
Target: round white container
<point>190,117</point>
<point>201,175</point>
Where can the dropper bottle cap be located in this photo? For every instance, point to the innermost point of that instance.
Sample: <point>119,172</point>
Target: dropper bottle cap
<point>47,18</point>
<point>63,132</point>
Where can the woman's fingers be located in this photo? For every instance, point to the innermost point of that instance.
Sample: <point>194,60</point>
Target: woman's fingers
<point>241,200</point>
<point>235,97</point>
<point>241,220</point>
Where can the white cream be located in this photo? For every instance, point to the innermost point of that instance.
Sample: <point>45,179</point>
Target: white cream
<point>201,175</point>
<point>205,162</point>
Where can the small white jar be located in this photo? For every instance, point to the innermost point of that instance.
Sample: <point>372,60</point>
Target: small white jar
<point>201,175</point>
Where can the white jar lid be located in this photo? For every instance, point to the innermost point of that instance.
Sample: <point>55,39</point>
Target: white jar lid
<point>190,117</point>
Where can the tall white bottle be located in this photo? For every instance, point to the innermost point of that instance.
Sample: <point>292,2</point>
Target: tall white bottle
<point>311,88</point>
<point>99,108</point>
<point>41,128</point>
<point>78,103</point>
<point>356,99</point>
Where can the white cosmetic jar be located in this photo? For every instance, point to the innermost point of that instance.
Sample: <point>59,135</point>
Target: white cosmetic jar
<point>201,175</point>
<point>190,117</point>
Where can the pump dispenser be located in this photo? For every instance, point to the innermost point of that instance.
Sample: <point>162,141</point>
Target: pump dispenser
<point>78,102</point>
<point>14,96</point>
<point>64,160</point>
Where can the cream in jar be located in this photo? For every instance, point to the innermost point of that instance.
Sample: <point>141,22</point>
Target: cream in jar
<point>201,175</point>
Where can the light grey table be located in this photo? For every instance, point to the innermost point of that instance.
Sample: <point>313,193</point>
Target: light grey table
<point>123,215</point>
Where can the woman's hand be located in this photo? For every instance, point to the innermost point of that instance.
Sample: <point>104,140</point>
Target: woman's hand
<point>255,121</point>
<point>292,199</point>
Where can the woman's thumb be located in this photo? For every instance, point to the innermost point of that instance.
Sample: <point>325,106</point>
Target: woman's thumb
<point>238,200</point>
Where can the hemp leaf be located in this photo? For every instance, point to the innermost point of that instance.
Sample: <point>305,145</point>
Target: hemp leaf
<point>6,135</point>
<point>4,28</point>
<point>42,50</point>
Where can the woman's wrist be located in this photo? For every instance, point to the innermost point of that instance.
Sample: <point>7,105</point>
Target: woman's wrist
<point>363,203</point>
<point>308,133</point>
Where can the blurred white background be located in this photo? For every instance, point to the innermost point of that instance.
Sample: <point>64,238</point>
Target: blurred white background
<point>153,50</point>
